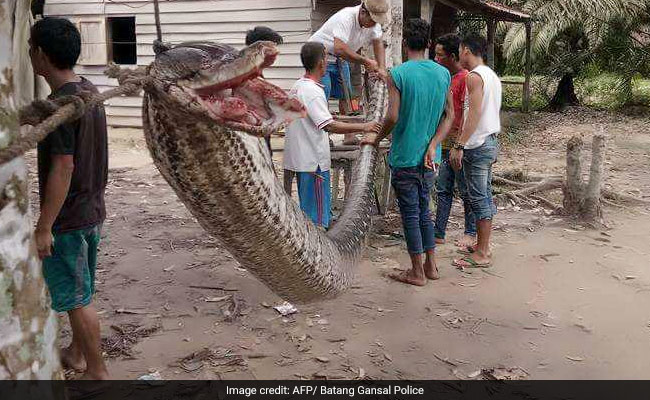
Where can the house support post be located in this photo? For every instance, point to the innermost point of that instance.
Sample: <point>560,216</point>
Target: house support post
<point>528,70</point>
<point>491,33</point>
<point>394,34</point>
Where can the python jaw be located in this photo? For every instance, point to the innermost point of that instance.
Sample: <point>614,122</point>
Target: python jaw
<point>227,86</point>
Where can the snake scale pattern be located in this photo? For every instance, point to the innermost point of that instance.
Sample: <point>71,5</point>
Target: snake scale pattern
<point>222,172</point>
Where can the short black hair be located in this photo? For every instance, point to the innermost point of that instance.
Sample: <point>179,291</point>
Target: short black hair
<point>263,33</point>
<point>416,34</point>
<point>450,44</point>
<point>311,54</point>
<point>475,43</point>
<point>59,39</point>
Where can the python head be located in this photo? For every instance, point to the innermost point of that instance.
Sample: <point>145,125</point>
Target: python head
<point>218,82</point>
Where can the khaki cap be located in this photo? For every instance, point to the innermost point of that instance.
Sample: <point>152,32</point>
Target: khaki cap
<point>378,9</point>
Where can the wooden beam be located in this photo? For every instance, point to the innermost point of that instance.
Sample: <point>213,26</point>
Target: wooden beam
<point>425,10</point>
<point>156,13</point>
<point>394,51</point>
<point>528,70</point>
<point>491,34</point>
<point>425,14</point>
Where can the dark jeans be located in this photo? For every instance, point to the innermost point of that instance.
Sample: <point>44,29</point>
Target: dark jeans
<point>477,167</point>
<point>447,179</point>
<point>412,187</point>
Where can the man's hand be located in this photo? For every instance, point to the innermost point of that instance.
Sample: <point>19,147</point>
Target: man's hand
<point>383,74</point>
<point>44,242</point>
<point>430,158</point>
<point>369,138</point>
<point>372,127</point>
<point>372,65</point>
<point>456,159</point>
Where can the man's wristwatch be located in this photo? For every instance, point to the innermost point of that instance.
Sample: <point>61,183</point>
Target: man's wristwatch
<point>458,146</point>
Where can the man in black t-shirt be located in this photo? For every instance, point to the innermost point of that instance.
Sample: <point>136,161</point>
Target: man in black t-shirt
<point>72,175</point>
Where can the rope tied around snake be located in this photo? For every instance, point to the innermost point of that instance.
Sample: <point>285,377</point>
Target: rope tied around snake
<point>47,115</point>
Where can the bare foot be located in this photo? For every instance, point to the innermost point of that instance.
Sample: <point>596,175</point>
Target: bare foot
<point>431,271</point>
<point>408,277</point>
<point>466,241</point>
<point>72,359</point>
<point>440,241</point>
<point>95,376</point>
<point>471,250</point>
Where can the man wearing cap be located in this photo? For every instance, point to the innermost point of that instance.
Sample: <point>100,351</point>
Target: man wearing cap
<point>343,35</point>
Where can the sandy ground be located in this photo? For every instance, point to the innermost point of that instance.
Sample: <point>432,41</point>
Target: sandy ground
<point>561,302</point>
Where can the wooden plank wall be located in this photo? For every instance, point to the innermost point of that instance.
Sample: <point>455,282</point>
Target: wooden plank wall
<point>326,8</point>
<point>224,20</point>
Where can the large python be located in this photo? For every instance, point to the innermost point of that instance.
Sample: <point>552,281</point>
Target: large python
<point>205,107</point>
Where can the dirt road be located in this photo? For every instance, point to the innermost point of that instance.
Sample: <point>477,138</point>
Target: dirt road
<point>560,302</point>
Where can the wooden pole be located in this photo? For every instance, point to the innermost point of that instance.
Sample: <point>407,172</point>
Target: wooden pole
<point>394,51</point>
<point>491,34</point>
<point>526,100</point>
<point>425,14</point>
<point>156,13</point>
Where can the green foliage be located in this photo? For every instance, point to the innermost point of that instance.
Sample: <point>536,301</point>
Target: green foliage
<point>603,91</point>
<point>594,89</point>
<point>625,52</point>
<point>539,93</point>
<point>583,38</point>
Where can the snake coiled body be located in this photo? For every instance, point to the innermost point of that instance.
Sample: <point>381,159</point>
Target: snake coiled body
<point>226,180</point>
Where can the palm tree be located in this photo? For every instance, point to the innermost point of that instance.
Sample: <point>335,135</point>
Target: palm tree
<point>626,50</point>
<point>566,36</point>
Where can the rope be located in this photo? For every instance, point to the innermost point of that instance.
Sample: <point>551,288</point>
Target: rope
<point>69,108</point>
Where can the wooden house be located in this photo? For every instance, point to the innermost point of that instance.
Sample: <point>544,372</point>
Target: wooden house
<point>122,31</point>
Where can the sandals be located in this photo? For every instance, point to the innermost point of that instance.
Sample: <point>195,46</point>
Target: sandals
<point>470,263</point>
<point>466,251</point>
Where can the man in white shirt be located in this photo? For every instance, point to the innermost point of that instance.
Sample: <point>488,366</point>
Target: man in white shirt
<point>306,146</point>
<point>343,34</point>
<point>475,150</point>
<point>259,34</point>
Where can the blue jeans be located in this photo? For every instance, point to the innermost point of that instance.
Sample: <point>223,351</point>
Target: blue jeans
<point>332,83</point>
<point>412,187</point>
<point>447,179</point>
<point>477,168</point>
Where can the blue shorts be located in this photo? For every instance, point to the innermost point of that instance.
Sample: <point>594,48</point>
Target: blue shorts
<point>315,196</point>
<point>332,81</point>
<point>70,271</point>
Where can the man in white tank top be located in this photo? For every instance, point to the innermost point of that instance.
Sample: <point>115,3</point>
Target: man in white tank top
<point>475,150</point>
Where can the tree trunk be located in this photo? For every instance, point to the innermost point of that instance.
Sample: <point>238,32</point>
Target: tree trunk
<point>393,35</point>
<point>28,328</point>
<point>565,95</point>
<point>591,210</point>
<point>573,187</point>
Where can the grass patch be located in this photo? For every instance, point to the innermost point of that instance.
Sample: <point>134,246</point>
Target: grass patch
<point>599,91</point>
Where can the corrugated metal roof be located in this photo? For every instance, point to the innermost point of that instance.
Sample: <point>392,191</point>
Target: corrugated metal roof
<point>489,8</point>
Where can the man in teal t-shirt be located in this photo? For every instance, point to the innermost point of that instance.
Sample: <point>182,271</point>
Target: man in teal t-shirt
<point>422,85</point>
<point>420,106</point>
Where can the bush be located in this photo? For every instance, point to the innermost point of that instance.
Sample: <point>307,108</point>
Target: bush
<point>513,95</point>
